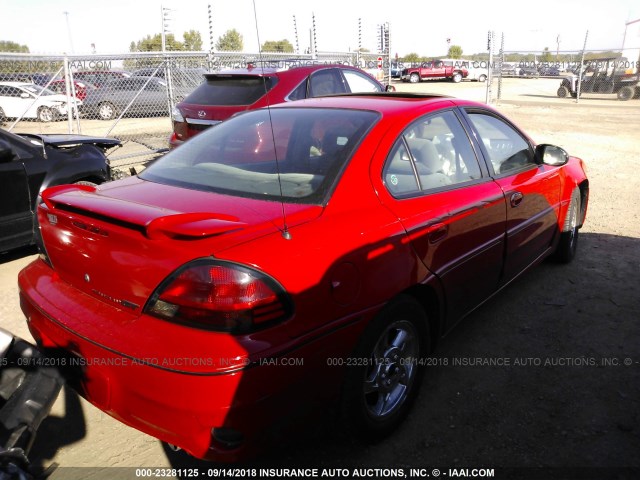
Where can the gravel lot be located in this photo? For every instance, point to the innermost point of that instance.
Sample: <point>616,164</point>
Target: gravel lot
<point>567,390</point>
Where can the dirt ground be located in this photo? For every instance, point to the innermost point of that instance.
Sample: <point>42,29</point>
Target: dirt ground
<point>566,392</point>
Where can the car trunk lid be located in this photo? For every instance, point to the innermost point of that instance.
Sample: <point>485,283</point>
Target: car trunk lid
<point>121,240</point>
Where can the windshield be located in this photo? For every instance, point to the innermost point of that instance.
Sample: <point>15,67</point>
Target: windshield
<point>238,157</point>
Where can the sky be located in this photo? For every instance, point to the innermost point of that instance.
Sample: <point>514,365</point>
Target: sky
<point>73,26</point>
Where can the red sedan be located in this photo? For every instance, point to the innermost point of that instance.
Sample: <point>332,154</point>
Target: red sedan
<point>290,257</point>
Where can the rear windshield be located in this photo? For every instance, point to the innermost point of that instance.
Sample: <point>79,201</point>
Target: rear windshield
<point>238,157</point>
<point>231,90</point>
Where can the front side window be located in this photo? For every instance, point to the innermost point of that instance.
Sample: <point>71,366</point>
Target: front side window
<point>290,154</point>
<point>432,153</point>
<point>506,148</point>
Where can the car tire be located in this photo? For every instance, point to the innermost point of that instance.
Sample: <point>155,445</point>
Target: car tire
<point>563,92</point>
<point>457,77</point>
<point>107,111</point>
<point>637,93</point>
<point>2,117</point>
<point>414,78</point>
<point>566,250</point>
<point>482,78</point>
<point>626,93</point>
<point>45,114</point>
<point>384,377</point>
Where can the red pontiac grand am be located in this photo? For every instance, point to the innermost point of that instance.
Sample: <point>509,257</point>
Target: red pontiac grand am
<point>290,257</point>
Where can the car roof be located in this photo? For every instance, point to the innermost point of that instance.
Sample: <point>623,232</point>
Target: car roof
<point>302,70</point>
<point>386,103</point>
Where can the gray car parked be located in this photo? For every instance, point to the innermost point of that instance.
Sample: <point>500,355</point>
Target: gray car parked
<point>143,96</point>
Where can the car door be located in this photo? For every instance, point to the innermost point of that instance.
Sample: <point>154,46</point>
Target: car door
<point>155,98</point>
<point>452,211</point>
<point>12,103</point>
<point>531,191</point>
<point>16,216</point>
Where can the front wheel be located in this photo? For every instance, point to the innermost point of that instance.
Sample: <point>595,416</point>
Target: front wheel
<point>568,244</point>
<point>45,114</point>
<point>414,78</point>
<point>457,77</point>
<point>563,91</point>
<point>385,374</point>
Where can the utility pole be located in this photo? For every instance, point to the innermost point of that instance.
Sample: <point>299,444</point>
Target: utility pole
<point>66,14</point>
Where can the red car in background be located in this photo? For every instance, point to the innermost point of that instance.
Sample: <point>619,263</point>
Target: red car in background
<point>291,258</point>
<point>225,93</point>
<point>81,88</point>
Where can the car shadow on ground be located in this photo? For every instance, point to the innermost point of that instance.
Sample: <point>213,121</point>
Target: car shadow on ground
<point>537,376</point>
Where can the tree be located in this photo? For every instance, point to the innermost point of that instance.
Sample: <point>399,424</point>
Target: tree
<point>192,41</point>
<point>12,47</point>
<point>411,58</point>
<point>455,51</point>
<point>154,43</point>
<point>231,41</point>
<point>277,46</point>
<point>546,55</point>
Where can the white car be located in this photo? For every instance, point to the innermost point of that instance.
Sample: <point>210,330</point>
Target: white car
<point>28,100</point>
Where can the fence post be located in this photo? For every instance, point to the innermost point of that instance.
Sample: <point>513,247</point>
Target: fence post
<point>581,70</point>
<point>500,65</point>
<point>490,37</point>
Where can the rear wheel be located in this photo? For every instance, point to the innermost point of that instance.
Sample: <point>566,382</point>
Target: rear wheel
<point>568,245</point>
<point>626,93</point>
<point>414,78</point>
<point>563,91</point>
<point>482,78</point>
<point>107,111</point>
<point>384,376</point>
<point>457,77</point>
<point>45,114</point>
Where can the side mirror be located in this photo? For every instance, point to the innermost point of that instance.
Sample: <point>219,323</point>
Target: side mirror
<point>551,155</point>
<point>389,88</point>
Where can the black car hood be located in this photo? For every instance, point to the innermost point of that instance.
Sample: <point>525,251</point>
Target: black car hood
<point>62,140</point>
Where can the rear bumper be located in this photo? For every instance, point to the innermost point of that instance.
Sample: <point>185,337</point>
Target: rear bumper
<point>180,404</point>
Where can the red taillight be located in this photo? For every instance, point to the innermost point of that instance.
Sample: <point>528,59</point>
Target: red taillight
<point>220,296</point>
<point>180,129</point>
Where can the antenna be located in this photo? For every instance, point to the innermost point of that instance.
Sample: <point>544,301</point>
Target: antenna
<point>285,229</point>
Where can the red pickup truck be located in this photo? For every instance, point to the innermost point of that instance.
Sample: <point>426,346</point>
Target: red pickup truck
<point>435,70</point>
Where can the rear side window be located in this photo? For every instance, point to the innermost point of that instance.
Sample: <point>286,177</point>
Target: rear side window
<point>433,152</point>
<point>360,82</point>
<point>231,90</point>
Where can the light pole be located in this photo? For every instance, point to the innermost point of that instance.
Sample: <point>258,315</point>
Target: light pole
<point>164,12</point>
<point>66,14</point>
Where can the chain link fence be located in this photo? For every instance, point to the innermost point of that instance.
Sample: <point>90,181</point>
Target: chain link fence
<point>563,76</point>
<point>128,96</point>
